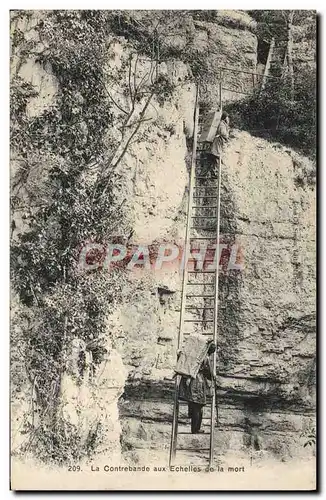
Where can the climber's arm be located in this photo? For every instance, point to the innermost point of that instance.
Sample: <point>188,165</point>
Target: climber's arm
<point>224,131</point>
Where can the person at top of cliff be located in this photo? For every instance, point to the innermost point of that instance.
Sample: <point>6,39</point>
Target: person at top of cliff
<point>222,135</point>
<point>196,390</point>
<point>212,150</point>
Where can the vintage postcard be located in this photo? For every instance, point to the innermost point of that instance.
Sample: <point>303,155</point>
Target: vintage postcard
<point>163,249</point>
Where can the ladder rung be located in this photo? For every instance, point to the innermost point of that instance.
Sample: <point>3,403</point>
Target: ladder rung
<point>203,217</point>
<point>191,434</point>
<point>206,261</point>
<point>195,307</point>
<point>193,333</point>
<point>204,272</point>
<point>200,238</point>
<point>189,308</point>
<point>209,196</point>
<point>193,449</point>
<point>203,186</point>
<point>201,295</point>
<point>203,227</point>
<point>199,321</point>
<point>209,206</point>
<point>211,284</point>
<point>200,177</point>
<point>209,179</point>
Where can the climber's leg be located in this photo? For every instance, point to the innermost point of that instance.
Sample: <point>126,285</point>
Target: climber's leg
<point>215,166</point>
<point>204,164</point>
<point>196,418</point>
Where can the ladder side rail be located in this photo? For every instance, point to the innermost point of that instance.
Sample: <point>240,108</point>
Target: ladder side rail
<point>268,64</point>
<point>285,63</point>
<point>213,403</point>
<point>174,433</point>
<point>220,90</point>
<point>184,279</point>
<point>189,219</point>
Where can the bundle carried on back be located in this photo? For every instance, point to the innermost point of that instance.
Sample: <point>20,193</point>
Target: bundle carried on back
<point>210,126</point>
<point>193,352</point>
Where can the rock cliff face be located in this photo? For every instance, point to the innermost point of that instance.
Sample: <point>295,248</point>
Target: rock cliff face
<point>266,333</point>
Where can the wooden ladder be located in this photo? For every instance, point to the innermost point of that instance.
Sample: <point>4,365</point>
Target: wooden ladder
<point>276,61</point>
<point>203,207</point>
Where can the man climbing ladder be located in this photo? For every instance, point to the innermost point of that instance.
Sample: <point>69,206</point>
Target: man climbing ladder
<point>197,390</point>
<point>214,136</point>
<point>221,138</point>
<point>203,206</point>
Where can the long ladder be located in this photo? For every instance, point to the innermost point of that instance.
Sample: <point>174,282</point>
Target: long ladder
<point>276,62</point>
<point>203,200</point>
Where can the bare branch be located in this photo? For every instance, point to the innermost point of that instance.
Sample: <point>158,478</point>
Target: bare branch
<point>135,75</point>
<point>136,129</point>
<point>140,121</point>
<point>141,82</point>
<point>132,97</point>
<point>114,102</point>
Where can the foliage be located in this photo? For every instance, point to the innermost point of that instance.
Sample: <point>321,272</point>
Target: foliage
<point>64,189</point>
<point>310,437</point>
<point>272,23</point>
<point>155,34</point>
<point>231,19</point>
<point>281,112</point>
<point>60,197</point>
<point>274,115</point>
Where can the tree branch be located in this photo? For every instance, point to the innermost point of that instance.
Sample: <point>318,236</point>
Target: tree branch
<point>123,152</point>
<point>114,102</point>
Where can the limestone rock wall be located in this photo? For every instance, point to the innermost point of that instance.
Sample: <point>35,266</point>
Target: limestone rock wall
<point>266,359</point>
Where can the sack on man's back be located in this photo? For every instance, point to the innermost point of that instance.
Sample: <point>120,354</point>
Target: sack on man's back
<point>210,126</point>
<point>192,355</point>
